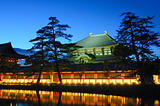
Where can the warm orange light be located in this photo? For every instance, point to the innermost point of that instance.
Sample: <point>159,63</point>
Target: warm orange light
<point>81,81</point>
<point>156,102</point>
<point>68,97</point>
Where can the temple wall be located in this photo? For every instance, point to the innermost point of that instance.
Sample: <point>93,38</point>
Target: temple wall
<point>84,77</point>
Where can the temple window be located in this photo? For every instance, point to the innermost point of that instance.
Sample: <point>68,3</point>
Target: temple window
<point>5,77</point>
<point>101,76</point>
<point>30,77</point>
<point>66,76</point>
<point>55,75</point>
<point>46,76</point>
<point>99,51</point>
<point>130,76</point>
<point>89,76</point>
<point>35,76</point>
<point>115,76</point>
<point>90,51</point>
<point>13,77</point>
<point>77,76</point>
<point>82,51</point>
<point>20,77</point>
<point>75,53</point>
<point>5,93</point>
<point>107,51</point>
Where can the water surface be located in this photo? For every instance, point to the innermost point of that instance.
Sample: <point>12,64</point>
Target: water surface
<point>50,98</point>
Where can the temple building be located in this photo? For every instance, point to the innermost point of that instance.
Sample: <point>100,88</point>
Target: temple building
<point>94,49</point>
<point>8,53</point>
<point>88,68</point>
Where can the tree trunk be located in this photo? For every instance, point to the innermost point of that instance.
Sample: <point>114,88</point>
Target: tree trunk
<point>59,98</point>
<point>59,75</point>
<point>39,77</point>
<point>57,65</point>
<point>146,75</point>
<point>38,96</point>
<point>56,56</point>
<point>146,79</point>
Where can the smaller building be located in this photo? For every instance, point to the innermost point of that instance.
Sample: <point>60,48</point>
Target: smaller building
<point>8,53</point>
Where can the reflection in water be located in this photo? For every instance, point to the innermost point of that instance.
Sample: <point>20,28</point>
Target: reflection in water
<point>38,96</point>
<point>31,97</point>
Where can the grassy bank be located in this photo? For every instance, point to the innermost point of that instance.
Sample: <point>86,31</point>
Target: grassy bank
<point>151,91</point>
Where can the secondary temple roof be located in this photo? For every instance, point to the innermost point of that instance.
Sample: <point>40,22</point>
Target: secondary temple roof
<point>99,40</point>
<point>7,50</point>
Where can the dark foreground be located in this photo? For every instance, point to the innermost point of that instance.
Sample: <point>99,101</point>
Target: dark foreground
<point>147,91</point>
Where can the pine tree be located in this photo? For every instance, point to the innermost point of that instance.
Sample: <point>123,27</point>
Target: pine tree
<point>135,33</point>
<point>39,60</point>
<point>55,30</point>
<point>48,50</point>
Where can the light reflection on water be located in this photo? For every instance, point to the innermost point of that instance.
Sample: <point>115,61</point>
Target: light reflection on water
<point>50,98</point>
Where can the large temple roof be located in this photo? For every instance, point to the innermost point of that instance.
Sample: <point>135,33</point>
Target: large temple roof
<point>7,50</point>
<point>99,40</point>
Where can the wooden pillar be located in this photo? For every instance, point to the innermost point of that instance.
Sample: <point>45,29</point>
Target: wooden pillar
<point>9,77</point>
<point>94,50</point>
<point>51,77</point>
<point>158,79</point>
<point>83,77</point>
<point>72,77</point>
<point>78,52</point>
<point>102,51</point>
<point>109,78</point>
<point>42,77</point>
<point>33,78</point>
<point>24,77</point>
<point>95,77</point>
<point>122,78</point>
<point>86,51</point>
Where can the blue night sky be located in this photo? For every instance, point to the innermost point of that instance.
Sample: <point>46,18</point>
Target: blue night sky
<point>20,19</point>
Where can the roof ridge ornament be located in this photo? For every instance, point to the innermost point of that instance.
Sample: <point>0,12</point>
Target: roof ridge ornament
<point>106,32</point>
<point>90,34</point>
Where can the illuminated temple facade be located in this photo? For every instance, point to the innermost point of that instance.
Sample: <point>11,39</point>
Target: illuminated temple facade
<point>89,66</point>
<point>94,49</point>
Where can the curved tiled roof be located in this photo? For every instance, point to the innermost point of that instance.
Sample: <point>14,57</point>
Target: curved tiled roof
<point>7,50</point>
<point>99,40</point>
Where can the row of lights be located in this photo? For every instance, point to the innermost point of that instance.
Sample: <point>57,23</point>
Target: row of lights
<point>117,81</point>
<point>84,81</point>
<point>24,81</point>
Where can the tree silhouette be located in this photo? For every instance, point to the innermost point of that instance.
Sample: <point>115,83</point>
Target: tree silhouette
<point>39,60</point>
<point>135,33</point>
<point>55,30</point>
<point>50,51</point>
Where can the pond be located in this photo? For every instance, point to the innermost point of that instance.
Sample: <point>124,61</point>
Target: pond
<point>52,98</point>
